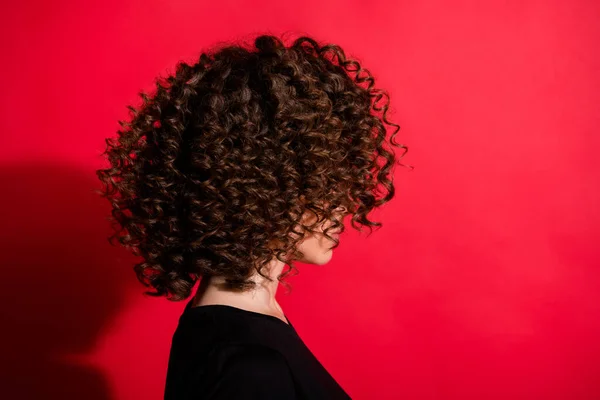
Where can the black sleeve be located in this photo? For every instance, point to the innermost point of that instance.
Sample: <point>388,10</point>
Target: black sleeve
<point>254,372</point>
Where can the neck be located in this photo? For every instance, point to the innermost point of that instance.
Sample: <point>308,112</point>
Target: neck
<point>260,299</point>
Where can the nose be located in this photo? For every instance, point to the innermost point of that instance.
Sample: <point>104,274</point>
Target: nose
<point>341,210</point>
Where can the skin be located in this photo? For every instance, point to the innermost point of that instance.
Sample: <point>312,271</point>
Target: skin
<point>317,250</point>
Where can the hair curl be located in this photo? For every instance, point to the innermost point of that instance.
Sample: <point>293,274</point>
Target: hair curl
<point>230,152</point>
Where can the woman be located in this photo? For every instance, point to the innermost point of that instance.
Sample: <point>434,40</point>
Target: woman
<point>238,165</point>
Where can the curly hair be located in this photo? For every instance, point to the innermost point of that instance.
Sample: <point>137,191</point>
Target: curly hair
<point>229,153</point>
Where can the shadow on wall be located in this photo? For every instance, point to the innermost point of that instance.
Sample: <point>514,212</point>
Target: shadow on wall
<point>61,282</point>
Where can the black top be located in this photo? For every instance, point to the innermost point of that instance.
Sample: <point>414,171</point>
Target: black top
<point>224,352</point>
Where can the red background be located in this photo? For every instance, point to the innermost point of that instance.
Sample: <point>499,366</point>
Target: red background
<point>483,282</point>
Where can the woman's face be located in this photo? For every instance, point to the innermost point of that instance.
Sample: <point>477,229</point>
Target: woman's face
<point>316,247</point>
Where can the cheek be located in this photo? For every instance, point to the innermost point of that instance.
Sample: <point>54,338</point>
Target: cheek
<point>320,251</point>
<point>315,247</point>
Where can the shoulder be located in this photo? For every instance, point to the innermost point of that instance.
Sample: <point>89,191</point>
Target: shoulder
<point>239,356</point>
<point>252,372</point>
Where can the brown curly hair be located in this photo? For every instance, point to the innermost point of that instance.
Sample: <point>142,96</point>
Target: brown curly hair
<point>229,153</point>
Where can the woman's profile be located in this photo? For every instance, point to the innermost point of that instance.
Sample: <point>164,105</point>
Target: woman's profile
<point>236,167</point>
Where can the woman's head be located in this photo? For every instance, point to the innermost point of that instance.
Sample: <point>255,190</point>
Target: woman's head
<point>248,154</point>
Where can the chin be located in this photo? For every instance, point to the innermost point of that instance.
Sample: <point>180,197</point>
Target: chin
<point>323,258</point>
